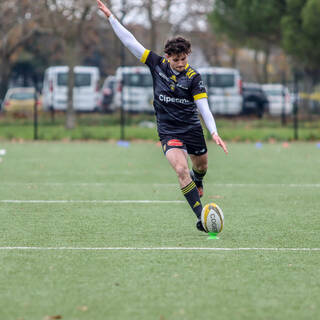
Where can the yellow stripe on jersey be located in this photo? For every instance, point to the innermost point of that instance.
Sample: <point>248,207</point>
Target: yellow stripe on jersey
<point>187,66</point>
<point>200,96</point>
<point>145,56</point>
<point>190,73</point>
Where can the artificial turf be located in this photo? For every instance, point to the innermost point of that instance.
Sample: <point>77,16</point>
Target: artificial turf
<point>91,259</point>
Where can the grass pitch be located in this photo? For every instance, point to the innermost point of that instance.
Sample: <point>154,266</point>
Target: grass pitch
<point>67,259</point>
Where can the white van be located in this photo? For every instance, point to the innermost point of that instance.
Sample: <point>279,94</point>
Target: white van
<point>85,91</point>
<point>279,99</point>
<point>224,89</point>
<point>136,86</point>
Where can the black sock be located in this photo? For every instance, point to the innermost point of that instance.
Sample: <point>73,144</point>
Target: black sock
<point>192,195</point>
<point>198,175</point>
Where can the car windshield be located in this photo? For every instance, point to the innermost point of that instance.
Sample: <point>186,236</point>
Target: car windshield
<point>220,80</point>
<point>252,90</point>
<point>82,79</point>
<point>21,96</point>
<point>137,80</point>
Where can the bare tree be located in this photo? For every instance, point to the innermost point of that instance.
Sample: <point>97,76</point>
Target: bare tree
<point>67,20</point>
<point>165,18</point>
<point>18,23</point>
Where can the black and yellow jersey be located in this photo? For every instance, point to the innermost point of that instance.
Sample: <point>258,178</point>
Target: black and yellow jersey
<point>174,96</point>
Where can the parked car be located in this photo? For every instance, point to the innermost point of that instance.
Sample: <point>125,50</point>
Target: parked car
<point>255,100</point>
<point>85,91</point>
<point>19,100</point>
<point>224,86</point>
<point>107,94</point>
<point>279,99</point>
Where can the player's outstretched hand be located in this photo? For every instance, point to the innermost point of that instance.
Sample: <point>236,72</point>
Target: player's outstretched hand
<point>104,8</point>
<point>220,142</point>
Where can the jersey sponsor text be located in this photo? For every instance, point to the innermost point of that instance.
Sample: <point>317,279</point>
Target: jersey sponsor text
<point>167,99</point>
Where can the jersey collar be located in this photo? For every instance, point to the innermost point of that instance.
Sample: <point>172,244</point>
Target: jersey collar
<point>176,73</point>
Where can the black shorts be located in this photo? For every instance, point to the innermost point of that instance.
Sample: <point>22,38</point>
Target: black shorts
<point>193,144</point>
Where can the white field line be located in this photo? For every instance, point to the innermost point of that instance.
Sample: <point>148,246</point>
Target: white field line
<point>103,184</point>
<point>93,201</point>
<point>160,249</point>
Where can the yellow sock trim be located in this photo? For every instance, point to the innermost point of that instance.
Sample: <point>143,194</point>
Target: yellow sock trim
<point>198,171</point>
<point>188,188</point>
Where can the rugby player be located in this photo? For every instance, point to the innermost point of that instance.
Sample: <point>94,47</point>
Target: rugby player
<point>178,94</point>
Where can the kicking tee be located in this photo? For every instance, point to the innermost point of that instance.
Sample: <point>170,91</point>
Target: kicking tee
<point>174,96</point>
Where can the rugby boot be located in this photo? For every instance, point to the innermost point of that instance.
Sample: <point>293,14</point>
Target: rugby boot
<point>198,183</point>
<point>200,226</point>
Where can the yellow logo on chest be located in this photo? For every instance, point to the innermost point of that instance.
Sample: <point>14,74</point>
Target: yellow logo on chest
<point>174,78</point>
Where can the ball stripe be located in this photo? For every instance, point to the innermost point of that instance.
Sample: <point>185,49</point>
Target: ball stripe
<point>206,212</point>
<point>218,212</point>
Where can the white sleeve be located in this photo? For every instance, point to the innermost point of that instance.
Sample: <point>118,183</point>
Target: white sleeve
<point>127,38</point>
<point>203,107</point>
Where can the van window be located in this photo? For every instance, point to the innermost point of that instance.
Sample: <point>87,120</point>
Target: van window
<point>81,79</point>
<point>273,92</point>
<point>22,96</point>
<point>137,80</point>
<point>220,80</point>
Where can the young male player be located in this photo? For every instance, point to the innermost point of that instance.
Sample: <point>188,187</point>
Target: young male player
<point>178,93</point>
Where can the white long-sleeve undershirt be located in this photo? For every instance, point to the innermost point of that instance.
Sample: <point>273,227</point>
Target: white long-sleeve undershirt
<point>203,107</point>
<point>127,38</point>
<point>137,49</point>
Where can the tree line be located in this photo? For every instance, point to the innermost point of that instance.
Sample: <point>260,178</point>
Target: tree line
<point>72,32</point>
<point>292,25</point>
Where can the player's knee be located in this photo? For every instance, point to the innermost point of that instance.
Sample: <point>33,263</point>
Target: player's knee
<point>202,167</point>
<point>182,172</point>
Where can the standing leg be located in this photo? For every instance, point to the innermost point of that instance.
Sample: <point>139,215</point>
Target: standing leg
<point>178,160</point>
<point>199,170</point>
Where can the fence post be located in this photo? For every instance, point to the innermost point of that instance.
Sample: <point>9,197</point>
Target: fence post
<point>35,112</point>
<point>295,106</point>
<point>283,111</point>
<point>122,59</point>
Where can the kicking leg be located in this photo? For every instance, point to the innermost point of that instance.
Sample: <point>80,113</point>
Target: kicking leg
<point>199,170</point>
<point>178,160</point>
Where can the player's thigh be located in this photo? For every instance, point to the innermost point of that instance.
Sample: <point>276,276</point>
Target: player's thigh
<point>199,162</point>
<point>178,159</point>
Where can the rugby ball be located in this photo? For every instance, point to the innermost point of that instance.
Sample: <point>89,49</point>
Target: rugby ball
<point>212,218</point>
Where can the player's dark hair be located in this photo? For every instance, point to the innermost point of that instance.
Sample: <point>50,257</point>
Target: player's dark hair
<point>177,46</point>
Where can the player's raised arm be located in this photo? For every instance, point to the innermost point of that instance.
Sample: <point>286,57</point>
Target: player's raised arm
<point>123,34</point>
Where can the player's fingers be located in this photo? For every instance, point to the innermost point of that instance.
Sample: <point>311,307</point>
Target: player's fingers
<point>225,150</point>
<point>100,4</point>
<point>222,144</point>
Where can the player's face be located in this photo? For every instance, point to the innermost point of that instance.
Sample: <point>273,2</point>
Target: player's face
<point>178,62</point>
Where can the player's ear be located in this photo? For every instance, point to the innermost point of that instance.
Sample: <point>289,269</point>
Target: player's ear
<point>167,56</point>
